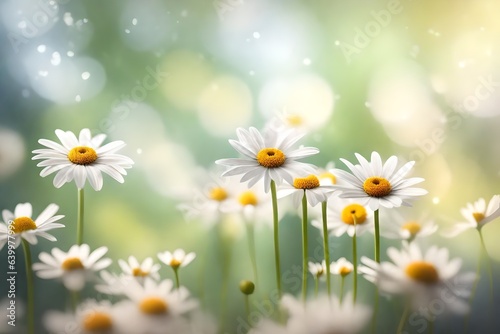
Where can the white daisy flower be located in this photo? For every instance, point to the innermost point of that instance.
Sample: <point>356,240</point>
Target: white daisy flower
<point>314,191</point>
<point>253,204</point>
<point>74,267</point>
<point>155,307</point>
<point>341,214</point>
<point>320,315</point>
<point>90,317</point>
<point>375,184</point>
<point>318,270</point>
<point>177,259</point>
<point>326,176</point>
<point>269,156</point>
<point>341,267</point>
<point>133,268</point>
<point>477,215</point>
<point>423,277</point>
<point>112,283</point>
<point>82,159</point>
<point>402,228</point>
<point>19,224</point>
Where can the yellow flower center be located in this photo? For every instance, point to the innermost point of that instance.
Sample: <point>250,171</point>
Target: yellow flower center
<point>137,272</point>
<point>72,263</point>
<point>82,155</point>
<point>174,263</point>
<point>412,227</point>
<point>377,186</point>
<point>153,305</point>
<point>218,194</point>
<point>22,224</point>
<point>328,175</point>
<point>294,120</point>
<point>320,272</point>
<point>352,211</point>
<point>309,182</point>
<point>97,322</point>
<point>271,157</point>
<point>248,198</point>
<point>344,271</point>
<point>478,216</point>
<point>423,272</point>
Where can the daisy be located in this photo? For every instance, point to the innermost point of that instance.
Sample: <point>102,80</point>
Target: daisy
<point>74,267</point>
<point>112,283</point>
<point>308,186</point>
<point>82,159</point>
<point>375,184</point>
<point>341,267</point>
<point>155,307</point>
<point>90,317</point>
<point>342,213</point>
<point>320,315</point>
<point>424,277</point>
<point>318,270</point>
<point>19,224</point>
<point>177,259</point>
<point>400,227</point>
<point>477,215</point>
<point>133,268</point>
<point>269,156</point>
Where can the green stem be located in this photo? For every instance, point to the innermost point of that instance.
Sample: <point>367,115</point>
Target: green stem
<point>30,288</point>
<point>75,297</point>
<point>304,246</point>
<point>252,252</point>
<point>316,286</point>
<point>326,247</point>
<point>484,255</point>
<point>431,326</point>
<point>225,244</point>
<point>79,222</point>
<point>247,307</point>
<point>403,319</point>
<point>375,311</point>
<point>377,236</point>
<point>354,262</point>
<point>276,238</point>
<point>341,295</point>
<point>177,283</point>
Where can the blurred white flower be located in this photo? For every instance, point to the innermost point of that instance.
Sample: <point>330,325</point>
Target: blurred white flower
<point>424,277</point>
<point>82,159</point>
<point>133,268</point>
<point>341,267</point>
<point>177,259</point>
<point>318,270</point>
<point>19,224</point>
<point>90,317</point>
<point>155,307</point>
<point>12,152</point>
<point>74,267</point>
<point>318,316</point>
<point>269,156</point>
<point>375,184</point>
<point>477,215</point>
<point>400,227</point>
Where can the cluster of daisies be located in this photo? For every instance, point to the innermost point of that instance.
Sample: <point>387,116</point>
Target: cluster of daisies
<point>266,182</point>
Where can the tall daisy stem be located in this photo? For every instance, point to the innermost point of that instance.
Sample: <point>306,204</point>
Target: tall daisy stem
<point>30,288</point>
<point>484,255</point>
<point>354,263</point>
<point>316,286</point>
<point>247,307</point>
<point>403,319</point>
<point>304,247</point>
<point>341,294</point>
<point>251,250</point>
<point>176,273</point>
<point>276,238</point>
<point>377,236</point>
<point>79,222</point>
<point>326,248</point>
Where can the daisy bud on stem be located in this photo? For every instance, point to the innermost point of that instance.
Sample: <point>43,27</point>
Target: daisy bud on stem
<point>247,288</point>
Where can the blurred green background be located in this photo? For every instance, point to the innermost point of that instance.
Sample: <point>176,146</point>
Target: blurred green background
<point>174,79</point>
